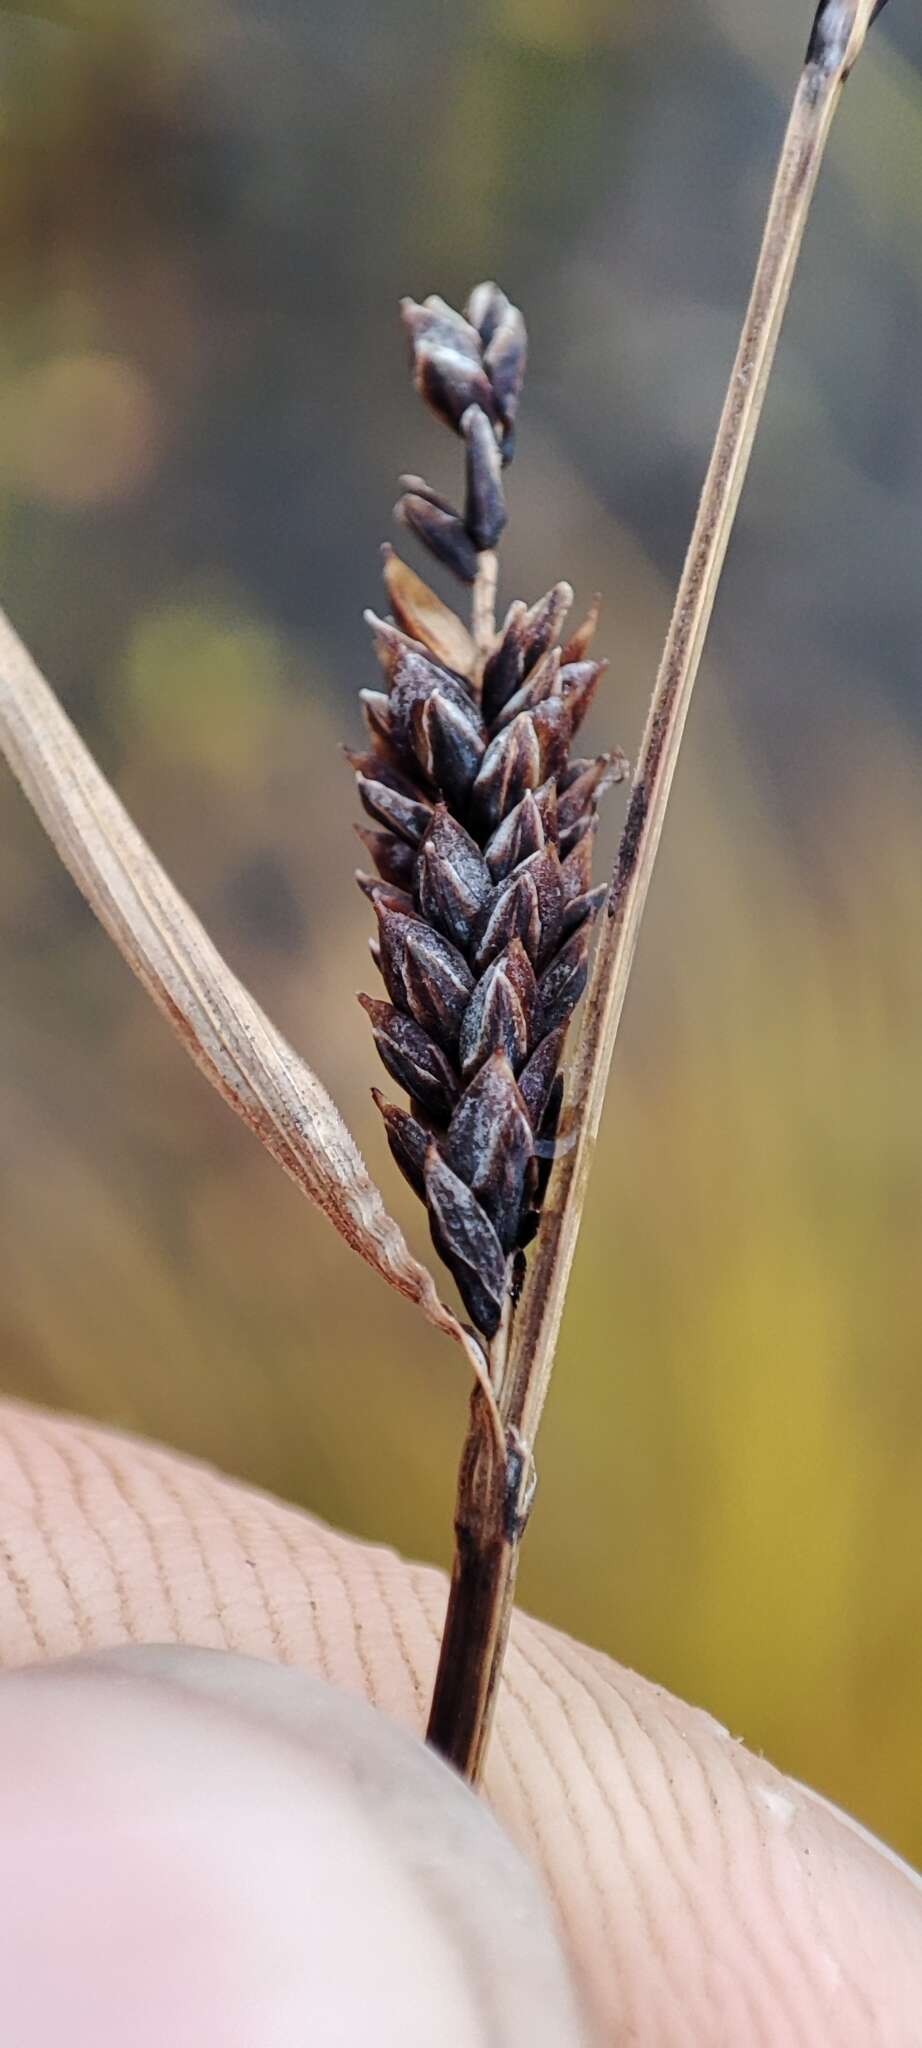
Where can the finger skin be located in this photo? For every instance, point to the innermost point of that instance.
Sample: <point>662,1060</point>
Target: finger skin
<point>704,1897</point>
<point>200,1848</point>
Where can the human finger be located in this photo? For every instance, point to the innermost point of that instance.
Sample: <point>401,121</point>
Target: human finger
<point>704,1898</point>
<point>198,1847</point>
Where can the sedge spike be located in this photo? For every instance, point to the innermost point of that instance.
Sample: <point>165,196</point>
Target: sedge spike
<point>483,819</point>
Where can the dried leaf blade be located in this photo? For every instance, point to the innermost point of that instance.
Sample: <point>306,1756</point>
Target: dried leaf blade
<point>222,1028</point>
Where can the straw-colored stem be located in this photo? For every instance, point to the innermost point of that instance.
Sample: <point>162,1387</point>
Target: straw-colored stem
<point>483,606</point>
<point>480,1604</point>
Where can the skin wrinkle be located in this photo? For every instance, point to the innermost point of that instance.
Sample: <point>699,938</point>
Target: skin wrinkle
<point>845,1823</point>
<point>604,1679</point>
<point>214,1491</point>
<point>359,1627</point>
<point>630,1863</point>
<point>172,1518</point>
<point>58,1568</point>
<point>599,1779</point>
<point>274,1642</point>
<point>419,1693</point>
<point>94,1523</point>
<point>738,1893</point>
<point>104,1457</point>
<point>16,1490</point>
<point>528,1807</point>
<point>23,1599</point>
<point>591,1677</point>
<point>277,1633</point>
<point>776,1895</point>
<point>571,1922</point>
<point>826,1909</point>
<point>585,1675</point>
<point>196,1529</point>
<point>714,1811</point>
<point>538,1832</point>
<point>134,1507</point>
<point>595,1876</point>
<point>32,1507</point>
<point>768,1847</point>
<point>605,1903</point>
<point>687,1891</point>
<point>718,1962</point>
<point>366,1667</point>
<point>533,1825</point>
<point>847,1903</point>
<point>300,1566</point>
<point>758,1929</point>
<point>291,1651</point>
<point>272,1613</point>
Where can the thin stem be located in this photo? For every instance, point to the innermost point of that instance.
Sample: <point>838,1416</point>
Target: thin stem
<point>838,33</point>
<point>486,1529</point>
<point>498,1354</point>
<point>494,1498</point>
<point>478,1611</point>
<point>479,1604</point>
<point>483,606</point>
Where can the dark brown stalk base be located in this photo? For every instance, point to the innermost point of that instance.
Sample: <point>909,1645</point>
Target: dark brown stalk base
<point>494,1495</point>
<point>476,1627</point>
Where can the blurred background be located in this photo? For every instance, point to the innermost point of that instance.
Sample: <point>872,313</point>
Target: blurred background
<point>208,213</point>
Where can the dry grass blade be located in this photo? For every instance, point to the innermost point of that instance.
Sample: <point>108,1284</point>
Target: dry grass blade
<point>838,33</point>
<point>222,1028</point>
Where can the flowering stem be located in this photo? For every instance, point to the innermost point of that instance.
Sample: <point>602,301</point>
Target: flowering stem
<point>492,1506</point>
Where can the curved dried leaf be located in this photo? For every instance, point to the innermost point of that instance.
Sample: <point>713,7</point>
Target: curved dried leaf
<point>222,1028</point>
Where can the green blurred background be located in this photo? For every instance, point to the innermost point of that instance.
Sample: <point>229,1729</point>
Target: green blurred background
<point>208,213</point>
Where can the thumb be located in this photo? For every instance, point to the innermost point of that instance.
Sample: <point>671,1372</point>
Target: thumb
<point>703,1897</point>
<point>198,1848</point>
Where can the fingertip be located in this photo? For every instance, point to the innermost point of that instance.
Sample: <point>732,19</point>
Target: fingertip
<point>697,1889</point>
<point>735,1905</point>
<point>198,1847</point>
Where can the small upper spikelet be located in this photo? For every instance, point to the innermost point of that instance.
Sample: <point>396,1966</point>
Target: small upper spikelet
<point>482,821</point>
<point>469,367</point>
